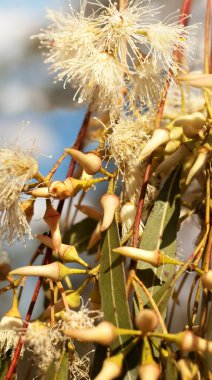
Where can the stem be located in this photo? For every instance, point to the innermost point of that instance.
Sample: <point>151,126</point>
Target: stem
<point>77,145</point>
<point>123,4</point>
<point>138,217</point>
<point>52,318</point>
<point>207,37</point>
<point>63,295</point>
<point>154,306</point>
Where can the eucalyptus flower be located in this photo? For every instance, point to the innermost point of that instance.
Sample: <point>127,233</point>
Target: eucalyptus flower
<point>17,167</point>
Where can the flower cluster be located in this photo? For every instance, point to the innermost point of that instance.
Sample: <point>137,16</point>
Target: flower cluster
<point>114,50</point>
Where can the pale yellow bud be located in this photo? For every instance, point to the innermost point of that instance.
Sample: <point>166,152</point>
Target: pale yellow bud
<point>52,218</point>
<point>110,370</point>
<point>172,146</point>
<point>151,257</point>
<point>109,203</point>
<point>172,161</point>
<point>191,342</point>
<point>66,253</point>
<point>40,192</point>
<point>192,124</point>
<point>198,164</point>
<point>54,271</point>
<point>104,333</point>
<point>188,369</point>
<point>160,136</point>
<point>207,280</point>
<point>176,133</point>
<point>91,162</point>
<point>62,189</point>
<point>146,321</point>
<point>149,371</point>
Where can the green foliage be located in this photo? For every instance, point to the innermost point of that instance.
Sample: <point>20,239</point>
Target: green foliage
<point>160,233</point>
<point>113,294</point>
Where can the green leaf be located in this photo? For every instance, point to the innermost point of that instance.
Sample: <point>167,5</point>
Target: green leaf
<point>80,233</point>
<point>4,366</point>
<point>60,373</point>
<point>171,372</point>
<point>113,294</point>
<point>160,233</point>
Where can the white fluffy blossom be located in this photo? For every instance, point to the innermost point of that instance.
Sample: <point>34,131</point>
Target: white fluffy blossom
<point>164,38</point>
<point>44,343</point>
<point>125,140</point>
<point>16,169</point>
<point>83,318</point>
<point>120,29</point>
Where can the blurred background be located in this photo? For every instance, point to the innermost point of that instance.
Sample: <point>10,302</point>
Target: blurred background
<point>34,109</point>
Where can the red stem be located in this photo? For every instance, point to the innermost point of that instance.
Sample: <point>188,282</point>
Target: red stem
<point>141,203</point>
<point>77,145</point>
<point>185,11</point>
<point>13,365</point>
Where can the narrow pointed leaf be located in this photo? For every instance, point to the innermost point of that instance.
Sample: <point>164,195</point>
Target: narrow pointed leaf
<point>113,294</point>
<point>160,233</point>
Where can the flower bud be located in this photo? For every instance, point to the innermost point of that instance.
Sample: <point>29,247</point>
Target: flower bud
<point>110,370</point>
<point>160,136</point>
<point>188,370</point>
<point>67,253</point>
<point>176,133</point>
<point>149,371</point>
<point>151,257</point>
<point>192,124</point>
<point>146,321</point>
<point>28,208</point>
<point>40,192</point>
<point>104,333</point>
<point>198,164</point>
<point>96,236</point>
<point>172,161</point>
<point>191,342</point>
<point>91,212</point>
<point>207,280</point>
<point>55,271</point>
<point>62,189</point>
<point>109,203</point>
<point>52,218</point>
<point>197,80</point>
<point>172,146</point>
<point>91,162</point>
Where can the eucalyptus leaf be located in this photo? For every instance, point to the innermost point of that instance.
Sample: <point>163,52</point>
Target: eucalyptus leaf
<point>113,295</point>
<point>4,365</point>
<point>161,233</point>
<point>80,233</point>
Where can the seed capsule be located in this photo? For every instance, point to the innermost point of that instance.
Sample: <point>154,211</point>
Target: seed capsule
<point>149,371</point>
<point>147,321</point>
